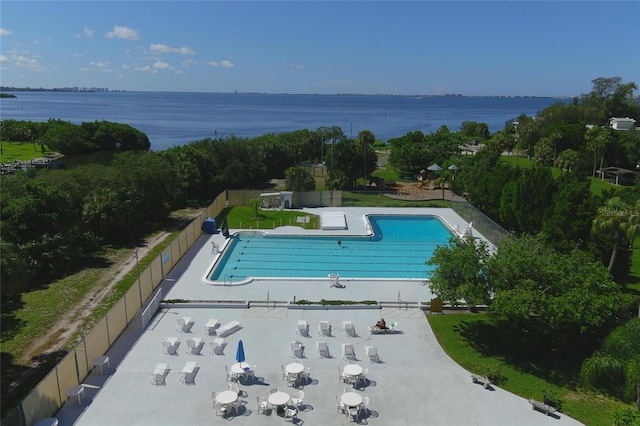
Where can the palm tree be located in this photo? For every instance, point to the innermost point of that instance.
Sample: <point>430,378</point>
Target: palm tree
<point>619,218</point>
<point>365,138</point>
<point>597,141</point>
<point>617,360</point>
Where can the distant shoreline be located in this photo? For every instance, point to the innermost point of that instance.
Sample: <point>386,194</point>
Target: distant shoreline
<point>104,90</point>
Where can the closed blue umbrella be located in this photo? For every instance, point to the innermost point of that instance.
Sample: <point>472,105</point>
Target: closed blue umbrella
<point>240,352</point>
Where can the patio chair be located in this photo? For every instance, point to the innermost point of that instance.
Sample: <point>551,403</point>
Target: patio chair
<point>297,399</point>
<point>251,372</point>
<point>263,404</point>
<point>290,414</point>
<point>233,387</point>
<point>353,412</point>
<point>348,329</point>
<point>221,410</point>
<point>339,405</point>
<point>303,328</point>
<point>323,350</point>
<point>272,391</point>
<point>364,405</point>
<point>363,377</point>
<point>217,346</point>
<point>297,349</point>
<point>348,351</point>
<point>305,376</point>
<point>292,379</point>
<point>324,328</point>
<point>230,376</point>
<point>284,372</point>
<point>235,406</point>
<point>372,354</point>
<point>341,376</point>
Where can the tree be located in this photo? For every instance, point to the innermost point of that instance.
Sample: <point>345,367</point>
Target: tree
<point>617,361</point>
<point>299,179</point>
<point>597,140</point>
<point>544,152</point>
<point>569,293</point>
<point>567,160</point>
<point>366,139</point>
<point>459,276</point>
<point>619,219</point>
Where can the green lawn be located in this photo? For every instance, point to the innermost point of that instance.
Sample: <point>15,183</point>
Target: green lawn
<point>240,217</point>
<point>21,151</point>
<point>471,340</point>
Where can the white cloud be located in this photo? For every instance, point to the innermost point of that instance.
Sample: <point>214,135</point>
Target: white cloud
<point>295,66</point>
<point>223,64</point>
<point>30,64</point>
<point>101,65</point>
<point>4,32</point>
<point>124,33</point>
<point>87,32</point>
<point>159,65</point>
<point>163,48</point>
<point>146,68</point>
<point>3,59</point>
<point>188,62</point>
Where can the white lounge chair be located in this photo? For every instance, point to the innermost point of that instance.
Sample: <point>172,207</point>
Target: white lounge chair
<point>324,328</point>
<point>334,281</point>
<point>188,373</point>
<point>323,350</point>
<point>159,375</point>
<point>349,329</point>
<point>372,353</point>
<point>169,347</point>
<point>347,351</point>
<point>297,349</point>
<point>217,346</point>
<point>184,325</point>
<point>228,328</point>
<point>303,328</point>
<point>211,326</point>
<point>193,348</point>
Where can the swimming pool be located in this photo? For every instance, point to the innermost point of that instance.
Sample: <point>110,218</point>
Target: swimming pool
<point>398,248</point>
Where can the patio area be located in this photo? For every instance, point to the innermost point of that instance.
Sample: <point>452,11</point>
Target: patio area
<point>413,383</point>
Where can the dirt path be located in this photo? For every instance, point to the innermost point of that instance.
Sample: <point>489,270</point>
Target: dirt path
<point>59,334</point>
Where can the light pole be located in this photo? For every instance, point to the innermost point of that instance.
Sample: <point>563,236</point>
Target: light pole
<point>515,126</point>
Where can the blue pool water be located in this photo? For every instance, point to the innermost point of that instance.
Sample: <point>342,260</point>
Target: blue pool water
<point>399,248</point>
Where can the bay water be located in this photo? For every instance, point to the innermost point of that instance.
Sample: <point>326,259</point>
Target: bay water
<point>173,118</point>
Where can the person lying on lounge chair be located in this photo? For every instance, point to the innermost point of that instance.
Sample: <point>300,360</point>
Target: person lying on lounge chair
<point>382,325</point>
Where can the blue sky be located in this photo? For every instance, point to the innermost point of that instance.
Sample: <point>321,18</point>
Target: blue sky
<point>542,48</point>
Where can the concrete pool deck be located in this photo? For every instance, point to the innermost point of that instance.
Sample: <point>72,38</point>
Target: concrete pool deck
<point>415,383</point>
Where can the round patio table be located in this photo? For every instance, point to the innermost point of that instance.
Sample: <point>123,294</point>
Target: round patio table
<point>279,400</point>
<point>351,399</point>
<point>352,370</point>
<point>294,368</point>
<point>226,397</point>
<point>240,367</point>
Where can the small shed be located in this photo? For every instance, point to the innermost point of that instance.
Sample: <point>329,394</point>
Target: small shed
<point>625,123</point>
<point>277,200</point>
<point>209,226</point>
